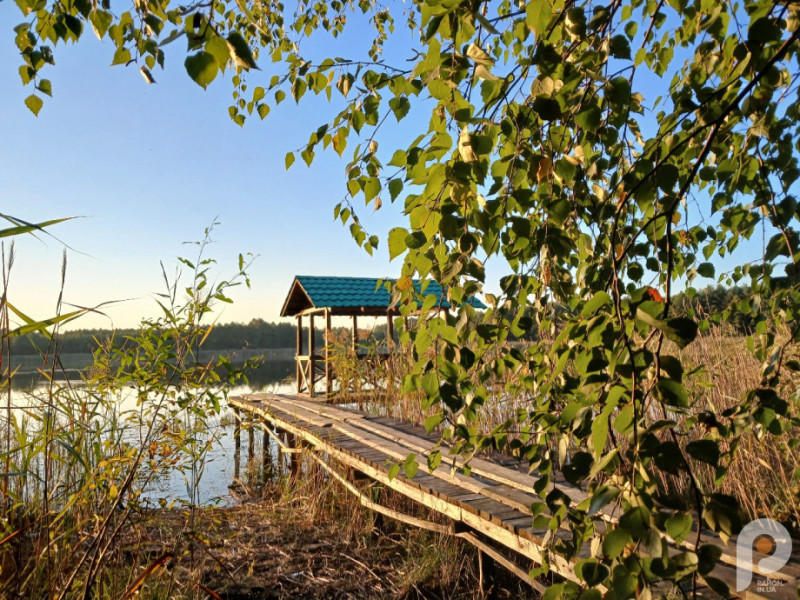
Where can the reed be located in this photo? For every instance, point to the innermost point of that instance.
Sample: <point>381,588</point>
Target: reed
<point>80,458</point>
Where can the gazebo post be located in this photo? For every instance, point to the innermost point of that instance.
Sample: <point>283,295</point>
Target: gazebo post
<point>311,350</point>
<point>355,335</point>
<point>328,341</point>
<point>299,351</point>
<point>389,330</point>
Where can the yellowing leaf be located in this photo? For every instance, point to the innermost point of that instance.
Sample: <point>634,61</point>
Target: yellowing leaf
<point>479,55</point>
<point>404,284</point>
<point>544,170</point>
<point>482,72</point>
<point>465,146</point>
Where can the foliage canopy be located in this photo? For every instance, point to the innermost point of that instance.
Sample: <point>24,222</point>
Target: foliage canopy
<point>608,153</point>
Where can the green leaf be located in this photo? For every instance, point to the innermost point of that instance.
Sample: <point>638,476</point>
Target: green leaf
<point>708,555</point>
<point>705,450</point>
<point>667,176</point>
<point>615,541</point>
<point>705,269</point>
<point>598,300</point>
<point>620,47</point>
<point>668,457</point>
<point>410,465</point>
<point>673,393</point>
<point>415,239</point>
<point>624,420</point>
<point>679,526</point>
<point>434,460</point>
<point>289,160</point>
<point>395,187</point>
<point>602,497</point>
<point>547,108</point>
<point>400,107</point>
<point>680,330</point>
<point>45,87</point>
<point>433,421</point>
<point>202,67</point>
<point>122,56</point>
<point>101,20</point>
<point>537,15</point>
<point>394,471</point>
<point>240,51</point>
<point>590,118</point>
<point>34,104</point>
<point>592,571</point>
<point>397,242</point>
<point>218,48</point>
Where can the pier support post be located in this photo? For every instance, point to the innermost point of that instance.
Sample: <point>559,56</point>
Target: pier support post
<point>266,458</point>
<point>251,441</point>
<point>486,574</point>
<point>294,457</point>
<point>237,442</point>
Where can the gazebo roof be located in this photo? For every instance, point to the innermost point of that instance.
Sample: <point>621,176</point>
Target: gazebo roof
<point>352,295</point>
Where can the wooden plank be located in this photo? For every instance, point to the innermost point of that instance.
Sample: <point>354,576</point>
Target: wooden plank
<point>512,497</point>
<point>469,495</point>
<point>479,466</point>
<point>500,534</point>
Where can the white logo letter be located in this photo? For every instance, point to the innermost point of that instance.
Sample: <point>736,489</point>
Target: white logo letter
<point>768,537</point>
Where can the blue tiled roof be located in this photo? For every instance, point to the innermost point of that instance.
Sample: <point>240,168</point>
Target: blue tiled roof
<point>353,292</point>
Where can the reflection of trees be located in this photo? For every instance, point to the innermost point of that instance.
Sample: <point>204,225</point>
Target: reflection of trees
<point>255,334</point>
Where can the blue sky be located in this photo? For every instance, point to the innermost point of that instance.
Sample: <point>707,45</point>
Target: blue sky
<point>147,167</point>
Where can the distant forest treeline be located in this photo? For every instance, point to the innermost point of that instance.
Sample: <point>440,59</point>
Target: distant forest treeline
<point>229,336</point>
<point>258,334</point>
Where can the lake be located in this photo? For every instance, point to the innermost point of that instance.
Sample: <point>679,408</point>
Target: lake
<point>275,375</point>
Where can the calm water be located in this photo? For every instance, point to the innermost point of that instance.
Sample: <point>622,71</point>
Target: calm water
<point>272,376</point>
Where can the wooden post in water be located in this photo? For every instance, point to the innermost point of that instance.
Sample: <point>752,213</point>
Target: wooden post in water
<point>294,457</point>
<point>251,442</point>
<point>266,458</point>
<point>237,441</point>
<point>312,371</point>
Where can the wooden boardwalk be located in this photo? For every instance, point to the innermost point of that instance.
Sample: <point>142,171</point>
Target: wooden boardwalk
<point>490,508</point>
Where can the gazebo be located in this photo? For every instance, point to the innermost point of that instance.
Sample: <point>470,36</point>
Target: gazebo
<point>326,297</point>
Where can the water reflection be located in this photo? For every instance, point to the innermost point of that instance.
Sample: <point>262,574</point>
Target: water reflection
<point>268,375</point>
<point>223,465</point>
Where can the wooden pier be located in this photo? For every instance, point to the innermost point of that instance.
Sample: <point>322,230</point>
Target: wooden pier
<point>490,508</point>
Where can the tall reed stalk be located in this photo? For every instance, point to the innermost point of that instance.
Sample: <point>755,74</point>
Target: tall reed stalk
<point>81,457</point>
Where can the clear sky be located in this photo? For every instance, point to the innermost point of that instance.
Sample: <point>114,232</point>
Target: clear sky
<point>147,167</point>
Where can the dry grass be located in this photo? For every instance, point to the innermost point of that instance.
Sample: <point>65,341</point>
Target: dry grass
<point>306,539</point>
<point>764,474</point>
